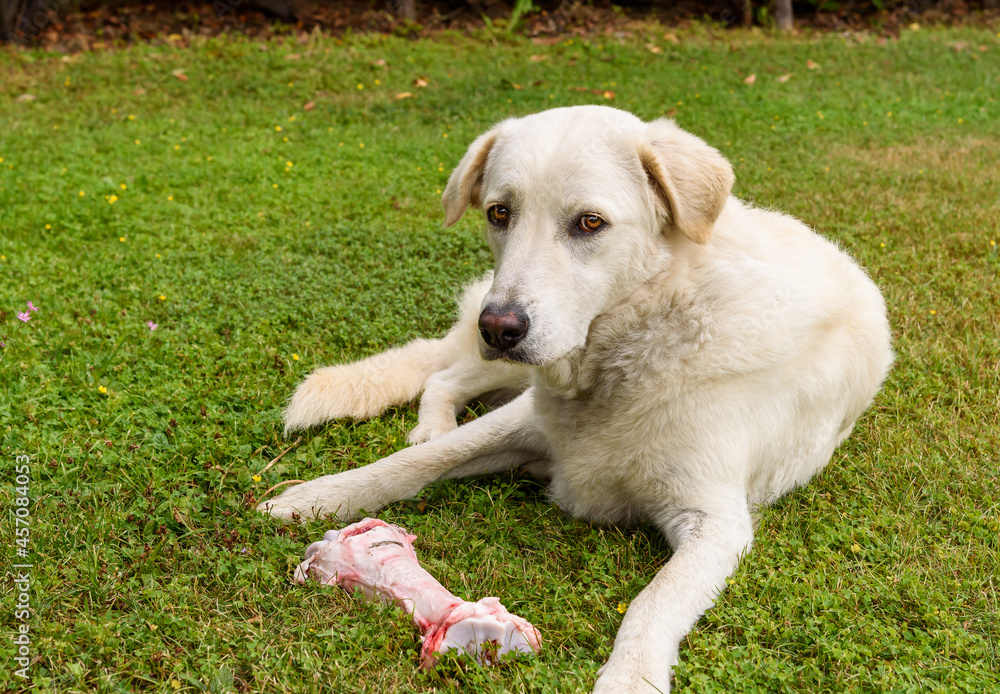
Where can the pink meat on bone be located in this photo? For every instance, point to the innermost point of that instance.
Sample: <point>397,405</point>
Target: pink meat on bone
<point>378,559</point>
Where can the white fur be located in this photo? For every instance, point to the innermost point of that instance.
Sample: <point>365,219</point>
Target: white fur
<point>696,358</point>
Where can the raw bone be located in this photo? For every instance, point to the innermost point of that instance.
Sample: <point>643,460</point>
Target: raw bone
<point>379,559</point>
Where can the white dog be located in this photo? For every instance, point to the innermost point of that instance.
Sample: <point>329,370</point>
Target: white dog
<point>682,356</point>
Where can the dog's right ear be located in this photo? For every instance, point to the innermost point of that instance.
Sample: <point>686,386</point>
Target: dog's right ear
<point>463,185</point>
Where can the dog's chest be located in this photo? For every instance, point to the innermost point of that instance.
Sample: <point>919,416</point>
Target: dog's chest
<point>611,414</point>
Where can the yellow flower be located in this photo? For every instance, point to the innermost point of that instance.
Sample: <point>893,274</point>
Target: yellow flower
<point>124,187</point>
<point>157,255</point>
<point>361,145</point>
<point>48,226</point>
<point>882,245</point>
<point>122,239</point>
<point>256,478</point>
<point>170,197</point>
<point>275,185</point>
<point>378,82</point>
<point>621,607</point>
<point>289,164</point>
<point>177,146</point>
<point>82,193</point>
<point>933,312</point>
<point>992,242</point>
<point>277,128</point>
<point>102,389</point>
<point>361,86</point>
<point>112,199</point>
<point>137,142</point>
<point>291,119</point>
<point>131,117</point>
<point>161,297</point>
<point>444,134</point>
<point>855,547</point>
<point>295,357</point>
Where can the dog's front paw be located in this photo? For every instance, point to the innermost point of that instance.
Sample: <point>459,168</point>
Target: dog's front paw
<point>341,496</point>
<point>619,676</point>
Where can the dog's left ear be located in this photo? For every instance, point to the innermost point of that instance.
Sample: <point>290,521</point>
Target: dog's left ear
<point>463,185</point>
<point>692,179</point>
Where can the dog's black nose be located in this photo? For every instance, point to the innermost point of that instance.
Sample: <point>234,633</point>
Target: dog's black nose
<point>503,327</point>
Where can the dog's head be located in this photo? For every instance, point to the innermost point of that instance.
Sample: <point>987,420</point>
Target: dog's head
<point>582,205</point>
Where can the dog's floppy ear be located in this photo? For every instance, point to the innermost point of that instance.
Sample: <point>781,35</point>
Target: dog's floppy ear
<point>691,178</point>
<point>463,185</point>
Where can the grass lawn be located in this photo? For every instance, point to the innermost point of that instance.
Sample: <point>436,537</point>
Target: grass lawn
<point>264,239</point>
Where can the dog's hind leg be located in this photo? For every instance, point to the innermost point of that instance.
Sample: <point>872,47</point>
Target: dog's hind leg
<point>446,393</point>
<point>499,440</point>
<point>368,387</point>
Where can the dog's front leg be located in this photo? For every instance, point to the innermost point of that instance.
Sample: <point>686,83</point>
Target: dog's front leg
<point>708,543</point>
<point>501,439</point>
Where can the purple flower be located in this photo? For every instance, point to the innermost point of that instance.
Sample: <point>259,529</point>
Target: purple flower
<point>32,306</point>
<point>3,344</point>
<point>152,326</point>
<point>25,316</point>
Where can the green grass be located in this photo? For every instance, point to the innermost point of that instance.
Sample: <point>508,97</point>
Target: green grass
<point>153,572</point>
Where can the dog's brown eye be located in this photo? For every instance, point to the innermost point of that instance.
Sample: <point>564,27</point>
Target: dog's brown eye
<point>498,215</point>
<point>590,223</point>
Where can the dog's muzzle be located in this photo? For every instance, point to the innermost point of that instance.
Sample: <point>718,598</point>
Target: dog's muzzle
<point>503,328</point>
